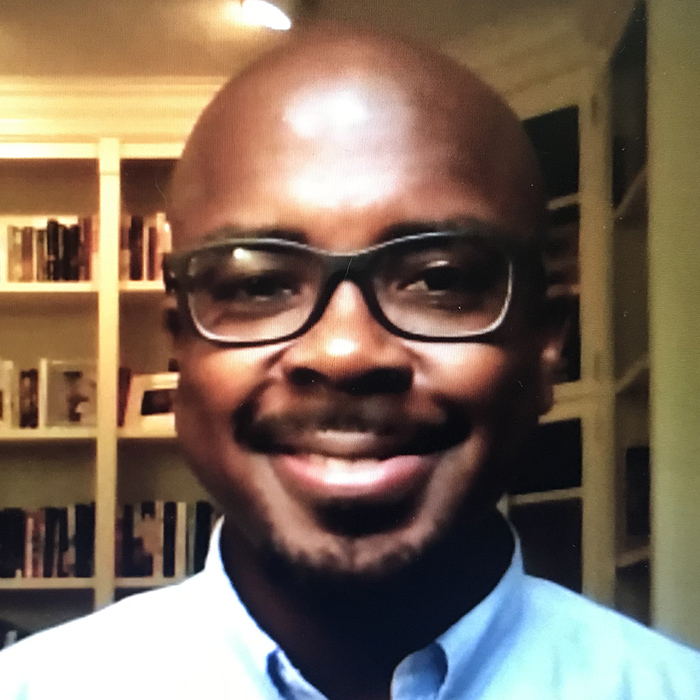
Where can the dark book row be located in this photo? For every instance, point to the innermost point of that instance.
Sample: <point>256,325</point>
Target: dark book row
<point>48,542</point>
<point>162,538</point>
<point>56,252</point>
<point>142,244</point>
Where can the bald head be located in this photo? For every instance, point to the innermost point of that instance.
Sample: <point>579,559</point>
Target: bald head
<point>334,119</point>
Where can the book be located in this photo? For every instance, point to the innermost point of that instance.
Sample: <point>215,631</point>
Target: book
<point>203,518</point>
<point>7,377</point>
<point>14,254</point>
<point>27,274</point>
<point>71,253</point>
<point>12,538</point>
<point>51,517</point>
<point>169,530</point>
<point>84,539</point>
<point>53,250</point>
<point>40,255</point>
<point>136,248</point>
<point>180,540</point>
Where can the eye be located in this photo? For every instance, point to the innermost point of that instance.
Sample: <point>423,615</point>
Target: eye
<point>258,288</point>
<point>442,278</point>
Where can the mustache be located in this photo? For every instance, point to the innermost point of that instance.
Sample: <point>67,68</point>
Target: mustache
<point>410,433</point>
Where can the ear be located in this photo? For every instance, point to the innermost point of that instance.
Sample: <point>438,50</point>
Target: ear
<point>551,362</point>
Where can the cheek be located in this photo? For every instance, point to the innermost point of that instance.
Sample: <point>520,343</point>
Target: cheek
<point>216,380</point>
<point>477,374</point>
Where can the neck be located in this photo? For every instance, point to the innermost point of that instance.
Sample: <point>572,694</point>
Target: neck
<point>347,637</point>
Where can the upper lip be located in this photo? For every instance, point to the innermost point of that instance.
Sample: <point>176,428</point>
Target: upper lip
<point>350,434</point>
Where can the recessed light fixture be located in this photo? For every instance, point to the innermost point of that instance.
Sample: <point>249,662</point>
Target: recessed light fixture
<point>257,13</point>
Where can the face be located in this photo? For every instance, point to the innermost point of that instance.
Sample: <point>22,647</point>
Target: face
<point>373,447</point>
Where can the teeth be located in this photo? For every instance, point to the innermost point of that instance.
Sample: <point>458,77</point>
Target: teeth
<point>346,472</point>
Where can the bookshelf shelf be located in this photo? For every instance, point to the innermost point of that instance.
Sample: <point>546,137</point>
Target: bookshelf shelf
<point>162,433</point>
<point>568,200</point>
<point>145,581</point>
<point>523,499</point>
<point>633,206</point>
<point>43,584</point>
<point>17,296</point>
<point>633,554</point>
<point>135,287</point>
<point>62,434</point>
<point>636,376</point>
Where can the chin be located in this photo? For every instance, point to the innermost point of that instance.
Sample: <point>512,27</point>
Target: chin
<point>349,545</point>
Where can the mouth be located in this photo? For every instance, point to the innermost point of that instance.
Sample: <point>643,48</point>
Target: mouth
<point>352,454</point>
<point>324,478</point>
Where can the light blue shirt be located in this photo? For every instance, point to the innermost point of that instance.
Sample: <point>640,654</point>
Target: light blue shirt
<point>527,640</point>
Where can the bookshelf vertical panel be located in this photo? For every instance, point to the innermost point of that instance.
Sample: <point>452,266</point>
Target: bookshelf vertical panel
<point>108,361</point>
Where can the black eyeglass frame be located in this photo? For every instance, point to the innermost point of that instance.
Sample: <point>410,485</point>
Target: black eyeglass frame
<point>356,267</point>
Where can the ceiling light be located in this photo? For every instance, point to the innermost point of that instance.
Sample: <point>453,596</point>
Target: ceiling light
<point>257,13</point>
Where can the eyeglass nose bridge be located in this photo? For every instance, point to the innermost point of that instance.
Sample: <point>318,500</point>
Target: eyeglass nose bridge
<point>357,269</point>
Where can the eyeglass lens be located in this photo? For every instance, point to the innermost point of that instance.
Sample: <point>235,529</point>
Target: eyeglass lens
<point>451,287</point>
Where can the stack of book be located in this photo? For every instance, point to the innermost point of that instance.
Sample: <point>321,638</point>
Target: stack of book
<point>51,252</point>
<point>142,243</point>
<point>48,542</point>
<point>162,538</point>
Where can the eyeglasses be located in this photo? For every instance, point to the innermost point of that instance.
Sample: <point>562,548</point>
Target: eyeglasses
<point>435,286</point>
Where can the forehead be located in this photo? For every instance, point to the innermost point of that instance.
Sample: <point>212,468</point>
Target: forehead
<point>343,158</point>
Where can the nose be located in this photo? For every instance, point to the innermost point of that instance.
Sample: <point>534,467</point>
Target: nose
<point>349,351</point>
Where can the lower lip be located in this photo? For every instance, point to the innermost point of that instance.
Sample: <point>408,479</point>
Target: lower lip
<point>327,478</point>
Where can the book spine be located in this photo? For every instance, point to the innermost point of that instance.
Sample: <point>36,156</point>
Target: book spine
<point>27,254</point>
<point>181,540</point>
<point>69,555</point>
<point>202,531</point>
<point>124,256</point>
<point>71,253</point>
<point>40,255</point>
<point>38,541</point>
<point>169,538</point>
<point>52,250</point>
<point>50,541</point>
<point>43,392</point>
<point>136,248</point>
<point>84,539</point>
<point>14,254</point>
<point>157,539</point>
<point>85,249</point>
<point>28,571</point>
<point>4,255</point>
<point>62,543</point>
<point>154,259</point>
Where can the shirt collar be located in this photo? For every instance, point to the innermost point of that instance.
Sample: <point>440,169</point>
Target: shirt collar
<point>459,658</point>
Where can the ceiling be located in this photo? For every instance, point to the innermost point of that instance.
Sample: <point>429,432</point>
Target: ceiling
<point>189,37</point>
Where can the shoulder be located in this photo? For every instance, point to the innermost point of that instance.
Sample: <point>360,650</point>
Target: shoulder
<point>122,636</point>
<point>608,651</point>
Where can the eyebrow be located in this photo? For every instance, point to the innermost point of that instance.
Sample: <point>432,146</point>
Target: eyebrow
<point>410,228</point>
<point>390,233</point>
<point>230,231</point>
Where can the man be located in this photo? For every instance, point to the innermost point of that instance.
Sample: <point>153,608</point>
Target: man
<point>363,343</point>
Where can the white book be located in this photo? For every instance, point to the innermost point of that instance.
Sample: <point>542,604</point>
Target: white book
<point>28,545</point>
<point>7,394</point>
<point>43,392</point>
<point>181,540</point>
<point>158,543</point>
<point>4,249</point>
<point>69,554</point>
